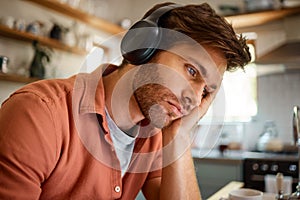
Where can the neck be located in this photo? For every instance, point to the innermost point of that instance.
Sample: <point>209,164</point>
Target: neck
<point>133,132</point>
<point>119,99</point>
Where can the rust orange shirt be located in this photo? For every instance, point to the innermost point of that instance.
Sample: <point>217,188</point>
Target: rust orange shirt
<point>55,144</point>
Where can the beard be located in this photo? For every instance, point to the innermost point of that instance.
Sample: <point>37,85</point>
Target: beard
<point>150,99</point>
<point>151,94</point>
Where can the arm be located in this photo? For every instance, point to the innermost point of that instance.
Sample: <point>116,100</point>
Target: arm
<point>27,148</point>
<point>178,179</point>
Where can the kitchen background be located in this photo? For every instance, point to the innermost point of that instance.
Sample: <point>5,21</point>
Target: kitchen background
<point>277,84</point>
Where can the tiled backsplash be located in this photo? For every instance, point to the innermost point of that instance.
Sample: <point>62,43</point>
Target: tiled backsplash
<point>277,94</point>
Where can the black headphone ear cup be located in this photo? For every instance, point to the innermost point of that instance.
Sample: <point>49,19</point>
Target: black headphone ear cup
<point>140,42</point>
<point>143,38</point>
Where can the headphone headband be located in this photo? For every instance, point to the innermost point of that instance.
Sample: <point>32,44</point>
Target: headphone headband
<point>157,14</point>
<point>143,39</point>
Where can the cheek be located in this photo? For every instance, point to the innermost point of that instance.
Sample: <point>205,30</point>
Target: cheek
<point>198,95</point>
<point>175,81</point>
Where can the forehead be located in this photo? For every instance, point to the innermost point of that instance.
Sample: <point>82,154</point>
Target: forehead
<point>209,61</point>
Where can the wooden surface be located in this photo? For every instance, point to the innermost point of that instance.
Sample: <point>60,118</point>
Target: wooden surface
<point>16,78</point>
<point>238,21</point>
<point>28,37</point>
<point>77,14</point>
<point>223,192</point>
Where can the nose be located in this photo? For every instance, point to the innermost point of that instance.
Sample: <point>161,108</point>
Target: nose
<point>191,99</point>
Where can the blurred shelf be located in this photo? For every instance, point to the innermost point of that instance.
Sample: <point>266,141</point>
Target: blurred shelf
<point>77,14</point>
<point>238,21</point>
<point>28,37</point>
<point>16,78</point>
<point>259,18</point>
<point>286,54</point>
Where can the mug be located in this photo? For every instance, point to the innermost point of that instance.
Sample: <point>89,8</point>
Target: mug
<point>3,64</point>
<point>245,194</point>
<point>20,25</point>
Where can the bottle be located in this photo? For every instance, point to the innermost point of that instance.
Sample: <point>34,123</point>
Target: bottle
<point>224,141</point>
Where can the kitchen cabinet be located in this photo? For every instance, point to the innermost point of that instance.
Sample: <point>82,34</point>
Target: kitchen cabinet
<point>213,174</point>
<point>287,54</point>
<point>260,18</point>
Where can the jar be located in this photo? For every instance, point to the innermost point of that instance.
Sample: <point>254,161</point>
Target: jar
<point>268,139</point>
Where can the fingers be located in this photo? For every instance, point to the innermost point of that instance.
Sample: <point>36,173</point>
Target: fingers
<point>188,122</point>
<point>205,103</point>
<point>191,119</point>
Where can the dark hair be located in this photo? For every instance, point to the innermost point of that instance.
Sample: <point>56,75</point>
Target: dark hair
<point>202,24</point>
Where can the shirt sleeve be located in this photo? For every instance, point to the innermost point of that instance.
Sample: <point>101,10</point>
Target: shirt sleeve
<point>28,151</point>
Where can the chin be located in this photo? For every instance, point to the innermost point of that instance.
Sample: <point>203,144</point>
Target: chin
<point>156,115</point>
<point>158,120</point>
<point>161,123</point>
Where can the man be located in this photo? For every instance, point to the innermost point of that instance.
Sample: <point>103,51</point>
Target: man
<point>119,130</point>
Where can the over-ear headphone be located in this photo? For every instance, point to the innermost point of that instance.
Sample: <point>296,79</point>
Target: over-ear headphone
<point>143,38</point>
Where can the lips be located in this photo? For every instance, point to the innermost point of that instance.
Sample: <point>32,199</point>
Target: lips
<point>176,109</point>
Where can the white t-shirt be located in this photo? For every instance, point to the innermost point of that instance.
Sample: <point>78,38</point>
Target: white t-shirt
<point>123,143</point>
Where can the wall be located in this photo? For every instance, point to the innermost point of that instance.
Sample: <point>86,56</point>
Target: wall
<point>277,94</point>
<point>6,88</point>
<point>63,64</point>
<point>135,9</point>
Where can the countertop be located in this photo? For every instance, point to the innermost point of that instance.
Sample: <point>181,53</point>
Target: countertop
<point>239,156</point>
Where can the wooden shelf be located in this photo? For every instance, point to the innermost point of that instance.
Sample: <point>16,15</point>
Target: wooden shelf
<point>259,18</point>
<point>77,14</point>
<point>16,78</point>
<point>238,21</point>
<point>287,54</point>
<point>28,37</point>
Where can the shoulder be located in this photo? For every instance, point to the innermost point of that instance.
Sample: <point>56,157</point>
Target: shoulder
<point>48,90</point>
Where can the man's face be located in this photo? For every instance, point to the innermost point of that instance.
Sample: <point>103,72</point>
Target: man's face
<point>176,82</point>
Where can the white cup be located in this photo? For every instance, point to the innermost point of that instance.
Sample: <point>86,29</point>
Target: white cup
<point>245,194</point>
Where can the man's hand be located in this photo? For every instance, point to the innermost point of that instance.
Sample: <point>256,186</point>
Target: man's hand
<point>187,123</point>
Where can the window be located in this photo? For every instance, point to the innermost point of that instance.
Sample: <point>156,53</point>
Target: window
<point>237,98</point>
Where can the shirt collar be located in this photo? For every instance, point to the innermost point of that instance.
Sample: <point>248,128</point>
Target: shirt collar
<point>90,89</point>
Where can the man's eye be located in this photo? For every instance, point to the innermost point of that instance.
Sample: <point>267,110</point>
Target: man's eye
<point>191,71</point>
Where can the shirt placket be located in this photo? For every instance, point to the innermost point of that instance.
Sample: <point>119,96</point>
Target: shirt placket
<point>116,179</point>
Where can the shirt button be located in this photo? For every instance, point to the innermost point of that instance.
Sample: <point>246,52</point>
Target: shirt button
<point>117,189</point>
